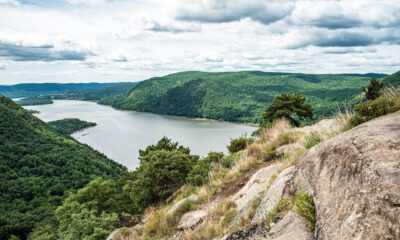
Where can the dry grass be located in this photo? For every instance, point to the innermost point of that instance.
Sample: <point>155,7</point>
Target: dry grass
<point>393,94</point>
<point>217,222</point>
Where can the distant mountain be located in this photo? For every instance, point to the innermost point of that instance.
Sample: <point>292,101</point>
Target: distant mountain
<point>104,92</point>
<point>38,168</point>
<point>239,96</point>
<point>392,80</point>
<point>36,89</point>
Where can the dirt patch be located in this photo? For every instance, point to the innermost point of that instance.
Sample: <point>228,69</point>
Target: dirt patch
<point>236,184</point>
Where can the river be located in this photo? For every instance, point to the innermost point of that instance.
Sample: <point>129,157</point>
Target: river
<point>120,134</point>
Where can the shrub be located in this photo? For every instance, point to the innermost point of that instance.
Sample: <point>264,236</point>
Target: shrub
<point>228,161</point>
<point>199,174</point>
<point>312,140</point>
<point>371,109</point>
<point>238,144</point>
<point>283,206</point>
<point>305,207</point>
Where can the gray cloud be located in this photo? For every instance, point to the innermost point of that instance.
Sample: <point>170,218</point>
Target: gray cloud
<point>45,53</point>
<point>347,50</point>
<point>159,27</point>
<point>235,10</point>
<point>344,40</point>
<point>334,22</point>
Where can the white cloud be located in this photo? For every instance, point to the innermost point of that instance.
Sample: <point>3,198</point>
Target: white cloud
<point>133,40</point>
<point>89,2</point>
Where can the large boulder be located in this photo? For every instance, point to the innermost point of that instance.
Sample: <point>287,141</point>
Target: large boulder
<point>354,179</point>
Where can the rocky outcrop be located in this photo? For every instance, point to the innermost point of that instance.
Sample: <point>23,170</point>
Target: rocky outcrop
<point>174,207</point>
<point>354,179</point>
<point>254,188</point>
<point>191,219</point>
<point>274,194</point>
<point>292,226</point>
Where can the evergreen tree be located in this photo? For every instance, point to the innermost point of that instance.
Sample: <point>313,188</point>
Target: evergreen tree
<point>289,106</point>
<point>373,90</point>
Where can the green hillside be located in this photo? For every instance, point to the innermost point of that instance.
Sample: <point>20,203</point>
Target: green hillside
<point>36,89</point>
<point>238,96</point>
<point>392,80</point>
<point>38,168</point>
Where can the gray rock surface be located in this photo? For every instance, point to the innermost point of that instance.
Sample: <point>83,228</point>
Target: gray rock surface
<point>292,226</point>
<point>274,194</point>
<point>354,179</point>
<point>255,186</point>
<point>193,197</point>
<point>191,219</point>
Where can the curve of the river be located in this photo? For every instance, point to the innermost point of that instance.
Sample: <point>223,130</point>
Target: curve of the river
<point>120,134</point>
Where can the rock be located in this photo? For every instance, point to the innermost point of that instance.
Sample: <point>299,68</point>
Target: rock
<point>174,207</point>
<point>291,225</point>
<point>113,235</point>
<point>254,188</point>
<point>354,180</point>
<point>125,233</point>
<point>255,232</point>
<point>320,126</point>
<point>191,219</point>
<point>274,194</point>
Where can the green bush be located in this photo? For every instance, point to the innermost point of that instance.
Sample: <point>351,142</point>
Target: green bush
<point>238,144</point>
<point>228,161</point>
<point>199,174</point>
<point>372,109</point>
<point>304,206</point>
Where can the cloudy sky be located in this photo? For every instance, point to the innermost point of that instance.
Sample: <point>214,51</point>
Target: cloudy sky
<point>121,40</point>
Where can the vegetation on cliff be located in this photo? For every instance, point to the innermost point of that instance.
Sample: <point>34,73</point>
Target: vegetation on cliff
<point>238,96</point>
<point>38,169</point>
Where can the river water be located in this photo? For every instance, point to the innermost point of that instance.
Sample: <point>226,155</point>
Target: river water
<point>120,134</point>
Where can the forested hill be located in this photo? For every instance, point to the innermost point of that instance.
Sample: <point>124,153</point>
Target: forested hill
<point>238,96</point>
<point>36,89</point>
<point>38,168</point>
<point>392,80</point>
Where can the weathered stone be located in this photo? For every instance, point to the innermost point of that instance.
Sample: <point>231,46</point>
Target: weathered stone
<point>354,180</point>
<point>125,233</point>
<point>292,226</point>
<point>254,188</point>
<point>274,194</point>
<point>191,219</point>
<point>174,207</point>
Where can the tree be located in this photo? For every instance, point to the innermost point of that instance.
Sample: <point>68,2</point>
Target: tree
<point>373,90</point>
<point>159,175</point>
<point>289,106</point>
<point>163,144</point>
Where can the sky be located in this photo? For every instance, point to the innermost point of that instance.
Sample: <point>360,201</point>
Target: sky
<point>121,40</point>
